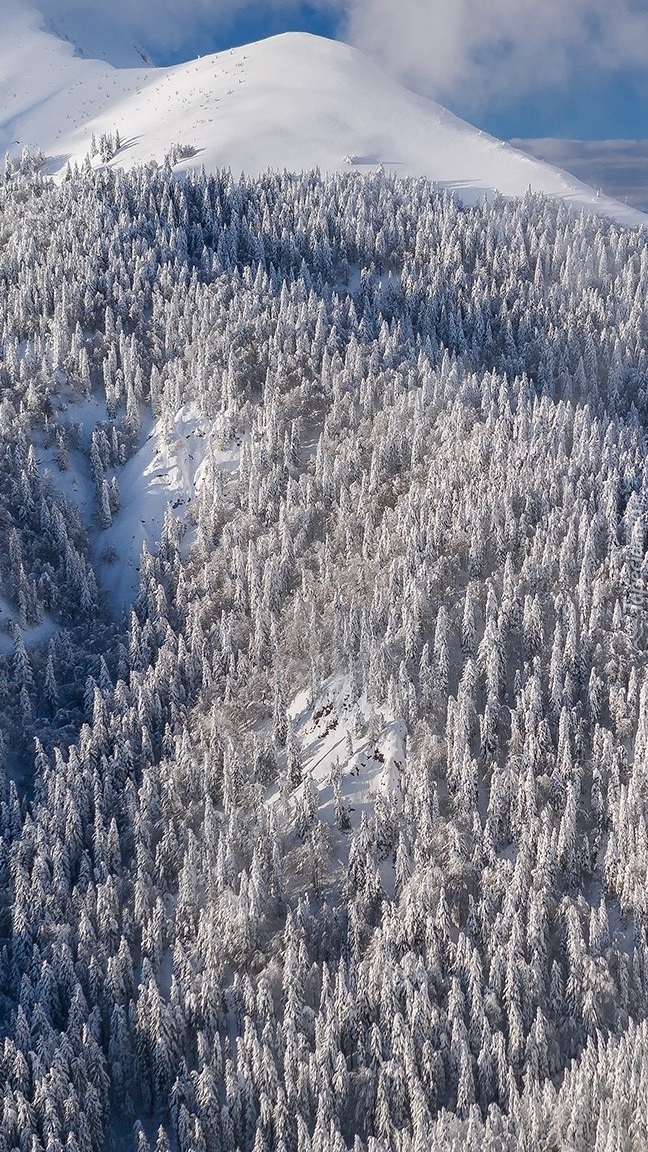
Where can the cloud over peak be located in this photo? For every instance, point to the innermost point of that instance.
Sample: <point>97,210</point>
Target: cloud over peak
<point>486,51</point>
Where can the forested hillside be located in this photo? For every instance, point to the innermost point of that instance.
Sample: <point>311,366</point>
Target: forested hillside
<point>337,839</point>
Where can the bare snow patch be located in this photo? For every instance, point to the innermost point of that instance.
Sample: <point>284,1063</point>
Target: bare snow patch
<point>351,755</point>
<point>165,475</point>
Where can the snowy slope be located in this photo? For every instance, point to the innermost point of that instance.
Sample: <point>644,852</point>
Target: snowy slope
<point>46,91</point>
<point>294,101</point>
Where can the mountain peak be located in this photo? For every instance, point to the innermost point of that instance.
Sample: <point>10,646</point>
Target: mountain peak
<point>295,101</point>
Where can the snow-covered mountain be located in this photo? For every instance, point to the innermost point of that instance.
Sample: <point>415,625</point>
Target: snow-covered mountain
<point>294,101</point>
<point>323,646</point>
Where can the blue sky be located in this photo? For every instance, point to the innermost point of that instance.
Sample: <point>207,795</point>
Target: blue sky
<point>603,108</point>
<point>260,21</point>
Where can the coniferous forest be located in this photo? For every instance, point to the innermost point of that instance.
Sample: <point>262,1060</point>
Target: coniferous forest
<point>337,837</point>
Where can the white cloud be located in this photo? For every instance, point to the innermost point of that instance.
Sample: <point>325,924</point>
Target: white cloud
<point>487,51</point>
